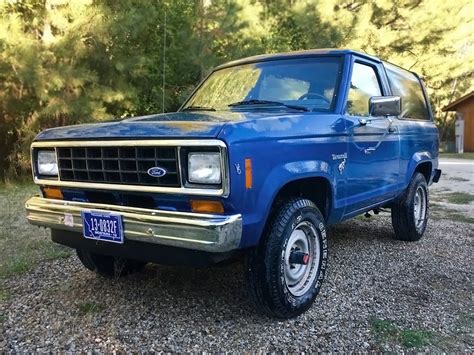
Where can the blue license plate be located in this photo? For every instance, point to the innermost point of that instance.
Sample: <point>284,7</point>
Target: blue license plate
<point>102,226</point>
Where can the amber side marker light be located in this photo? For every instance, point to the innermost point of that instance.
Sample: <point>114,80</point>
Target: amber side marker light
<point>248,174</point>
<point>206,206</point>
<point>53,192</point>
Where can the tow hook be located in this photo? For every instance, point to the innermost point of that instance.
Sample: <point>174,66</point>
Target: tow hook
<point>298,257</point>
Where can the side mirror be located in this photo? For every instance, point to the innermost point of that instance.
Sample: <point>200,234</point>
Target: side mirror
<point>385,106</point>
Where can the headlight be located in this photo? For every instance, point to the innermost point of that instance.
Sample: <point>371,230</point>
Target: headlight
<point>47,163</point>
<point>204,168</point>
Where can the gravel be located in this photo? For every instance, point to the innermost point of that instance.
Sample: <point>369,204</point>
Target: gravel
<point>423,287</point>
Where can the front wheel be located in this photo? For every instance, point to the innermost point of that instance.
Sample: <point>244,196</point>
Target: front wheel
<point>410,211</point>
<point>286,271</point>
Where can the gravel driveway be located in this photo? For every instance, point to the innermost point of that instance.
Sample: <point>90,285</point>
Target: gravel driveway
<point>380,294</point>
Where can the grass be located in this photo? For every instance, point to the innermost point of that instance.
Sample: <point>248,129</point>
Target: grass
<point>443,212</point>
<point>363,218</point>
<point>468,317</point>
<point>15,266</point>
<point>4,295</point>
<point>458,217</point>
<point>459,179</point>
<point>22,245</point>
<point>2,318</point>
<point>467,155</point>
<point>386,331</point>
<point>459,198</point>
<point>90,308</point>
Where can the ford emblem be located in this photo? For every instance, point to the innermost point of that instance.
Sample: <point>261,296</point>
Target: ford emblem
<point>156,171</point>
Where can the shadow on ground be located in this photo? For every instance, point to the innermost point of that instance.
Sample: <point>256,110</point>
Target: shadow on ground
<point>422,287</point>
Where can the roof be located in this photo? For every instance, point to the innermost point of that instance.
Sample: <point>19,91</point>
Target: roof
<point>296,54</point>
<point>452,106</point>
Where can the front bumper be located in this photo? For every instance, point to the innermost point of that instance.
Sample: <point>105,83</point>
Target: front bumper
<point>196,231</point>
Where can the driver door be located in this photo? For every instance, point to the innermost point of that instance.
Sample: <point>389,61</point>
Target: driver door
<point>372,170</point>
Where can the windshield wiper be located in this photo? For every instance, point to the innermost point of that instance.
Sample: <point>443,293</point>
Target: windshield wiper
<point>267,102</point>
<point>198,108</point>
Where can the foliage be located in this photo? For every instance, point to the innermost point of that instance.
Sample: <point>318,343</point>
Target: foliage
<point>67,62</point>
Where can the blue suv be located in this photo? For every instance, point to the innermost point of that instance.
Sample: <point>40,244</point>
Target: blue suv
<point>263,156</point>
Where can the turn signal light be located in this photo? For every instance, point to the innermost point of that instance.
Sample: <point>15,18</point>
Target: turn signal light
<point>206,206</point>
<point>53,193</point>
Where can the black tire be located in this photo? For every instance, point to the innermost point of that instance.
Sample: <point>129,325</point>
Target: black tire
<point>406,225</point>
<point>267,265</point>
<point>109,266</point>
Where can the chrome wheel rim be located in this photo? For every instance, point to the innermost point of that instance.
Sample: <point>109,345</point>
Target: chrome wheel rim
<point>299,278</point>
<point>419,210</point>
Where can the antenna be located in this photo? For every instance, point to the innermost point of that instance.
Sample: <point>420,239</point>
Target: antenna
<point>164,67</point>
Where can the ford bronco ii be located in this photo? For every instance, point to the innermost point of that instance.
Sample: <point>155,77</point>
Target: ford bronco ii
<point>263,156</point>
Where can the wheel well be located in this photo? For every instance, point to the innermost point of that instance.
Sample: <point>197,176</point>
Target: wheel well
<point>316,189</point>
<point>425,169</point>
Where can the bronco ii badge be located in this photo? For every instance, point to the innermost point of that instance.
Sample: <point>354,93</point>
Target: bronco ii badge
<point>156,171</point>
<point>342,165</point>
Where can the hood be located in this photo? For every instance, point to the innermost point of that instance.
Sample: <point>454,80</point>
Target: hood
<point>169,125</point>
<point>226,125</point>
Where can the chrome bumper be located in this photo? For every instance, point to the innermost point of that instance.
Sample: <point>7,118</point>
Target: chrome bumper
<point>205,232</point>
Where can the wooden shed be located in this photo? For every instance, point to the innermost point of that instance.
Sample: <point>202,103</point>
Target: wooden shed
<point>464,107</point>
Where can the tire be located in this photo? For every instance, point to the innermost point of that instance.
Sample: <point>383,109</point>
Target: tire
<point>273,284</point>
<point>410,211</point>
<point>109,266</point>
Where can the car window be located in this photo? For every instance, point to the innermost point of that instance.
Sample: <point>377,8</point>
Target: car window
<point>309,82</point>
<point>408,87</point>
<point>364,85</point>
<point>280,88</point>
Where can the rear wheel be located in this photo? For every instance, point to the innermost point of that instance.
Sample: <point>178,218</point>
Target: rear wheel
<point>109,266</point>
<point>285,273</point>
<point>410,211</point>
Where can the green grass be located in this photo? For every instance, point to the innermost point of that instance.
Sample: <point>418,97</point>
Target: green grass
<point>415,338</point>
<point>438,210</point>
<point>467,155</point>
<point>384,328</point>
<point>57,252</point>
<point>458,217</point>
<point>4,295</point>
<point>460,179</point>
<point>15,266</point>
<point>363,218</point>
<point>468,318</point>
<point>22,245</point>
<point>386,331</point>
<point>2,318</point>
<point>459,198</point>
<point>90,308</point>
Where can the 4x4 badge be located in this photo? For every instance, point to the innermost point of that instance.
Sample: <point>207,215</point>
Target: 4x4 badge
<point>238,169</point>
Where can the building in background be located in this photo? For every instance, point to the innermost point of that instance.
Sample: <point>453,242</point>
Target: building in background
<point>464,131</point>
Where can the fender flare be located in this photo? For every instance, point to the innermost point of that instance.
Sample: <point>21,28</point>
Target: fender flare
<point>289,172</point>
<point>417,159</point>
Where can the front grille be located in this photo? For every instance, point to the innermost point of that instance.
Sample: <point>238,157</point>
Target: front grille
<point>119,165</point>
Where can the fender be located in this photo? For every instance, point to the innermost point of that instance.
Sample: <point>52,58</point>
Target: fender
<point>416,160</point>
<point>272,184</point>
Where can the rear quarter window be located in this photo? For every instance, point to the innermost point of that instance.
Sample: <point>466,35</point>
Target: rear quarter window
<point>408,87</point>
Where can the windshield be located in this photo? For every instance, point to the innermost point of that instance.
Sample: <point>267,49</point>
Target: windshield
<point>309,83</point>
